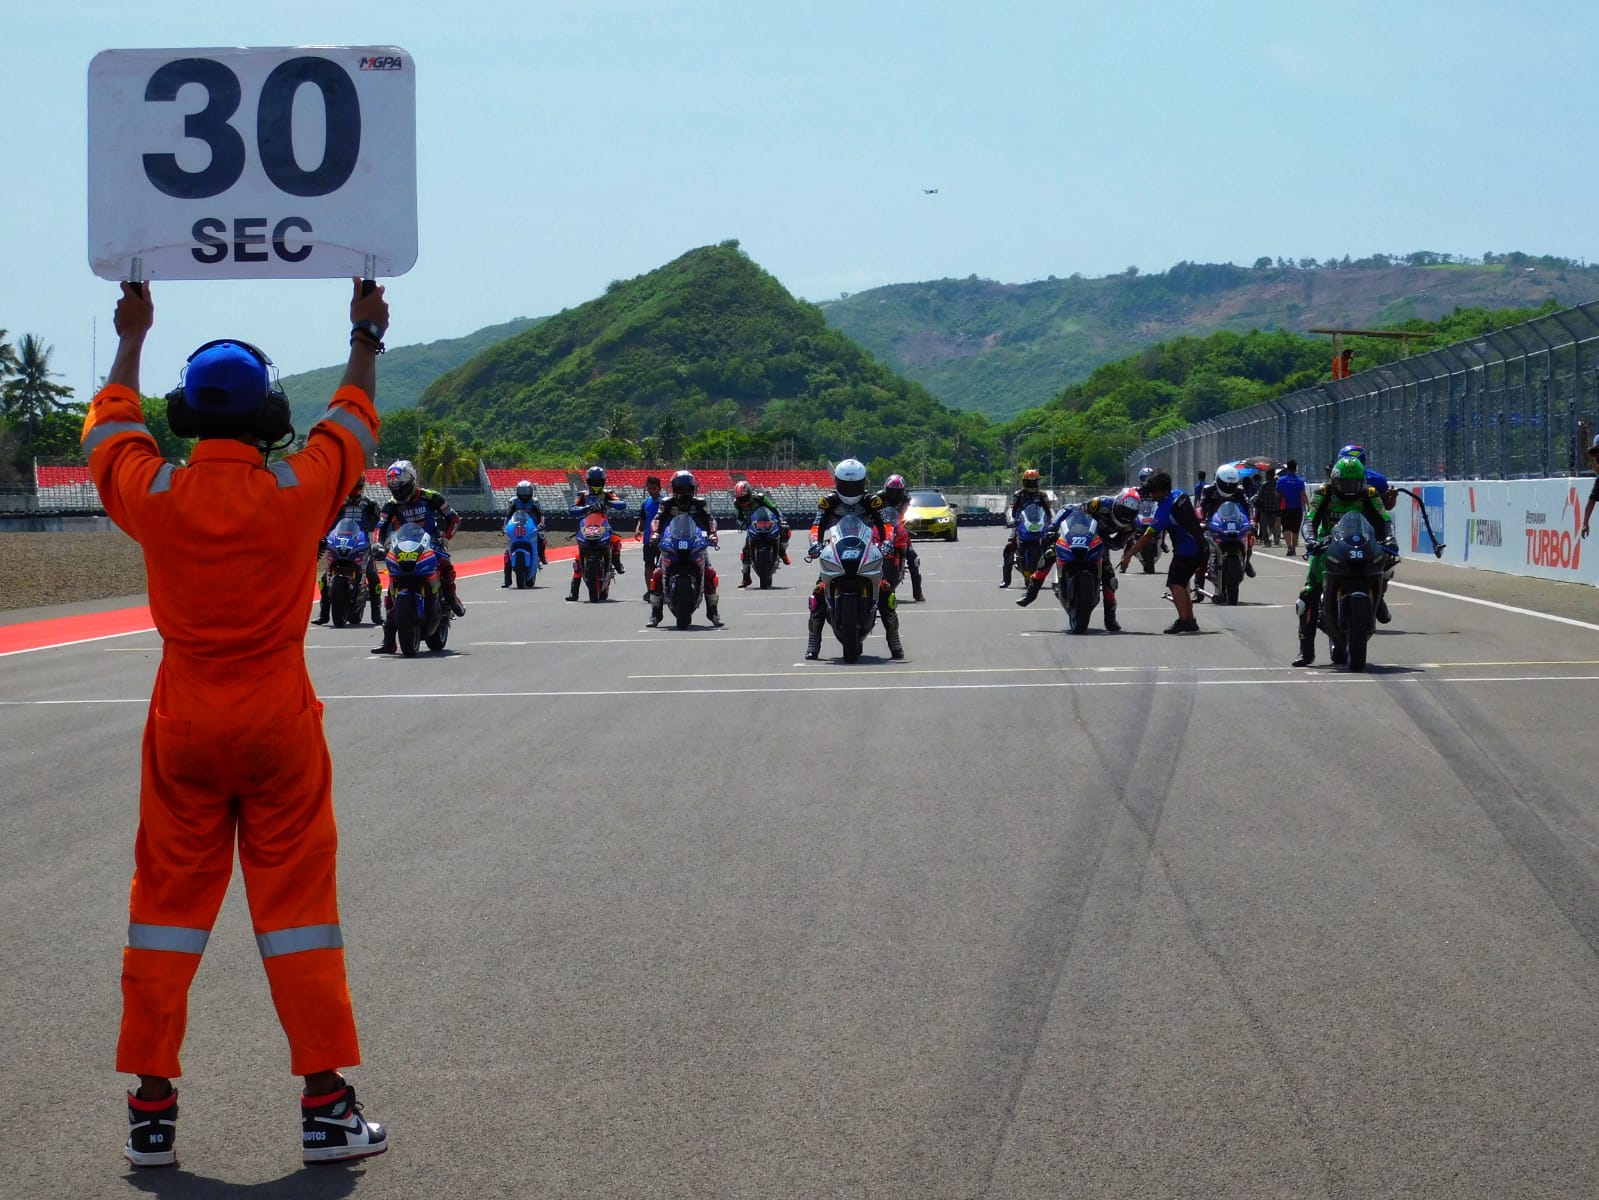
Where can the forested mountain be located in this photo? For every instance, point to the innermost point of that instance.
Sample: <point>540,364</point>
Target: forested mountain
<point>1001,348</point>
<point>705,358</point>
<point>403,374</point>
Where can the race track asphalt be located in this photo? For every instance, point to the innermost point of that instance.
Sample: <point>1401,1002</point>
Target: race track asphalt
<point>642,913</point>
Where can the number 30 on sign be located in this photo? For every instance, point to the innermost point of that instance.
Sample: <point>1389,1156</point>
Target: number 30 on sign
<point>268,163</point>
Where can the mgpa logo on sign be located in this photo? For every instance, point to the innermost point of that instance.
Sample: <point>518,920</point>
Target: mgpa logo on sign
<point>284,162</point>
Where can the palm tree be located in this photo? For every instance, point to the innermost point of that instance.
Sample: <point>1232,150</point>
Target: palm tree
<point>30,394</point>
<point>8,356</point>
<point>442,461</point>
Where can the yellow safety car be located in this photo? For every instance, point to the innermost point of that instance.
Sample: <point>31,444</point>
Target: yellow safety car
<point>928,514</point>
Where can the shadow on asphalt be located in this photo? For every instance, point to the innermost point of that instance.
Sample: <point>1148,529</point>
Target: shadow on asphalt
<point>330,1182</point>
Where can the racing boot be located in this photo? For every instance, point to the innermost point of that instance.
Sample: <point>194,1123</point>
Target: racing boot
<point>1383,615</point>
<point>1306,606</point>
<point>1009,558</point>
<point>783,553</point>
<point>744,576</point>
<point>711,613</point>
<point>657,608</point>
<point>577,582</point>
<point>817,622</point>
<point>507,581</point>
<point>544,552</point>
<point>1249,567</point>
<point>616,559</point>
<point>1112,625</point>
<point>323,612</point>
<point>454,601</point>
<point>891,631</point>
<point>390,644</point>
<point>916,581</point>
<point>375,595</point>
<point>1034,586</point>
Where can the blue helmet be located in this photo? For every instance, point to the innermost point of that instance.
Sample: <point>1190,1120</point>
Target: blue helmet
<point>1356,452</point>
<point>227,377</point>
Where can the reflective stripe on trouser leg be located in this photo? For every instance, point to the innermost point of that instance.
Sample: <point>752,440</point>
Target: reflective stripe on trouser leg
<point>288,846</point>
<point>183,858</point>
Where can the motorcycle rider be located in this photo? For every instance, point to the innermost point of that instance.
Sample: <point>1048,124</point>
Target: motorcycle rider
<point>1117,519</point>
<point>358,508</point>
<point>895,495</point>
<point>596,498</point>
<point>429,509</point>
<point>683,500</point>
<point>1228,488</point>
<point>745,501</point>
<point>848,498</point>
<point>646,520</point>
<point>525,501</point>
<point>1030,493</point>
<point>1374,478</point>
<point>1345,492</point>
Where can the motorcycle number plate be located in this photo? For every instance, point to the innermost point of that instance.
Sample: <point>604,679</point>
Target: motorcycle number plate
<point>848,555</point>
<point>1079,541</point>
<point>1357,554</point>
<point>682,543</point>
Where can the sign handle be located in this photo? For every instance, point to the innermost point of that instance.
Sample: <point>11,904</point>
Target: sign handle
<point>368,279</point>
<point>136,275</point>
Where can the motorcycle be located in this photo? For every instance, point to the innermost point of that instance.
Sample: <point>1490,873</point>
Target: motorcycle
<point>1032,537</point>
<point>1079,563</point>
<point>683,548</point>
<point>1151,551</point>
<point>594,555</point>
<point>763,543</point>
<point>523,537</point>
<point>1231,535</point>
<point>415,591</point>
<point>896,545</point>
<point>344,580</point>
<point>1354,567</point>
<point>852,573</point>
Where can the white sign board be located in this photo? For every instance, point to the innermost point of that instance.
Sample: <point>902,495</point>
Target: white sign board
<point>291,162</point>
<point>1519,526</point>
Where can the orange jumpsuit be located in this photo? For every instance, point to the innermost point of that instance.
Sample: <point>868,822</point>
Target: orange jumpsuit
<point>233,745</point>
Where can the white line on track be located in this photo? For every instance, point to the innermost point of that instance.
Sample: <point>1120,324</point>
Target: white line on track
<point>651,637</point>
<point>1322,677</point>
<point>76,642</point>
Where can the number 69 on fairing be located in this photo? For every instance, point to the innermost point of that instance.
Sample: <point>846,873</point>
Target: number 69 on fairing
<point>287,162</point>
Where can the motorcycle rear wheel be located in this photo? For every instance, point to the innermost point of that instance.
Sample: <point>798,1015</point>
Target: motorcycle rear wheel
<point>439,638</point>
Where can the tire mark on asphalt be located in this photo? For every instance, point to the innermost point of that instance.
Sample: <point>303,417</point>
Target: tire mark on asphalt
<point>1515,797</point>
<point>1142,773</point>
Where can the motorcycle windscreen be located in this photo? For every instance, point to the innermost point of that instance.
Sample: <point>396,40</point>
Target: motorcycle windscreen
<point>595,527</point>
<point>519,528</point>
<point>763,520</point>
<point>681,533</point>
<point>1032,518</point>
<point>1229,514</point>
<point>1079,535</point>
<point>411,538</point>
<point>1353,549</point>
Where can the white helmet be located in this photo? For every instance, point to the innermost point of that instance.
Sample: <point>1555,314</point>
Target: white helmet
<point>849,478</point>
<point>402,479</point>
<point>524,489</point>
<point>1228,478</point>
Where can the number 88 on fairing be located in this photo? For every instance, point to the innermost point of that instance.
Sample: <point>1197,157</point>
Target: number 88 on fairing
<point>264,163</point>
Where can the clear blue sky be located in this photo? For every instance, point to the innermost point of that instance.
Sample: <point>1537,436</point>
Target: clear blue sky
<point>566,143</point>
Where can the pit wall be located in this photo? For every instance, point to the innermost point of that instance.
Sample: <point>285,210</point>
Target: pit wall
<point>1518,526</point>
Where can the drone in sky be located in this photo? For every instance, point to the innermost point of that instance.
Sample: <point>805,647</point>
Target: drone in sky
<point>929,191</point>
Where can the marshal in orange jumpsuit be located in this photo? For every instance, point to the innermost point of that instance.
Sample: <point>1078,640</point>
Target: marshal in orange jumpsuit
<point>233,745</point>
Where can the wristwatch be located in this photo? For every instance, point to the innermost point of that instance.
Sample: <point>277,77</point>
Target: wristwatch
<point>370,329</point>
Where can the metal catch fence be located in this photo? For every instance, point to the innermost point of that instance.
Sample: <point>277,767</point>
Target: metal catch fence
<point>1513,404</point>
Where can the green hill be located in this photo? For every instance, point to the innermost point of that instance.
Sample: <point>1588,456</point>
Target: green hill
<point>705,358</point>
<point>1001,348</point>
<point>403,374</point>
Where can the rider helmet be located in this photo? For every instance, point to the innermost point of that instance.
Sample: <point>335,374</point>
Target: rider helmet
<point>683,485</point>
<point>1143,476</point>
<point>894,489</point>
<point>1124,511</point>
<point>524,490</point>
<point>402,479</point>
<point>743,493</point>
<point>1348,478</point>
<point>1029,480</point>
<point>1229,483</point>
<point>596,479</point>
<point>849,480</point>
<point>1354,451</point>
<point>357,489</point>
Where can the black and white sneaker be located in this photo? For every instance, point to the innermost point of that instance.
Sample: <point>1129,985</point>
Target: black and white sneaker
<point>153,1139</point>
<point>333,1129</point>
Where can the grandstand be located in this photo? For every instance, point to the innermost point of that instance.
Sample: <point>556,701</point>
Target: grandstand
<point>67,487</point>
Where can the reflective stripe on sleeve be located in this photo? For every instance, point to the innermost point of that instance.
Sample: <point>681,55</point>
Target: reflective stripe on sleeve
<point>294,941</point>
<point>168,937</point>
<point>285,473</point>
<point>110,429</point>
<point>346,418</point>
<point>163,479</point>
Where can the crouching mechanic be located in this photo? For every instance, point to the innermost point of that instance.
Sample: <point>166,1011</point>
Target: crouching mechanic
<point>356,507</point>
<point>422,506</point>
<point>683,500</point>
<point>1347,491</point>
<point>849,498</point>
<point>597,499</point>
<point>525,501</point>
<point>745,501</point>
<point>1117,520</point>
<point>233,745</point>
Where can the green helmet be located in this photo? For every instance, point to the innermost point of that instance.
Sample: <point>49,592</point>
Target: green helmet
<point>1349,478</point>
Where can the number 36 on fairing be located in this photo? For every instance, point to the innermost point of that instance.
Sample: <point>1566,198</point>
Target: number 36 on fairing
<point>280,162</point>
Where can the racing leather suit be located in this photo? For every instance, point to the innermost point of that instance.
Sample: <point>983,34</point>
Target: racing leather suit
<point>829,509</point>
<point>1018,501</point>
<point>365,512</point>
<point>535,510</point>
<point>1323,514</point>
<point>1114,538</point>
<point>432,511</point>
<point>701,515</point>
<point>743,509</point>
<point>611,505</point>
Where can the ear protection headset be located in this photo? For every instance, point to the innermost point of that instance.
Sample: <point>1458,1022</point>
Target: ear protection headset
<point>270,424</point>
